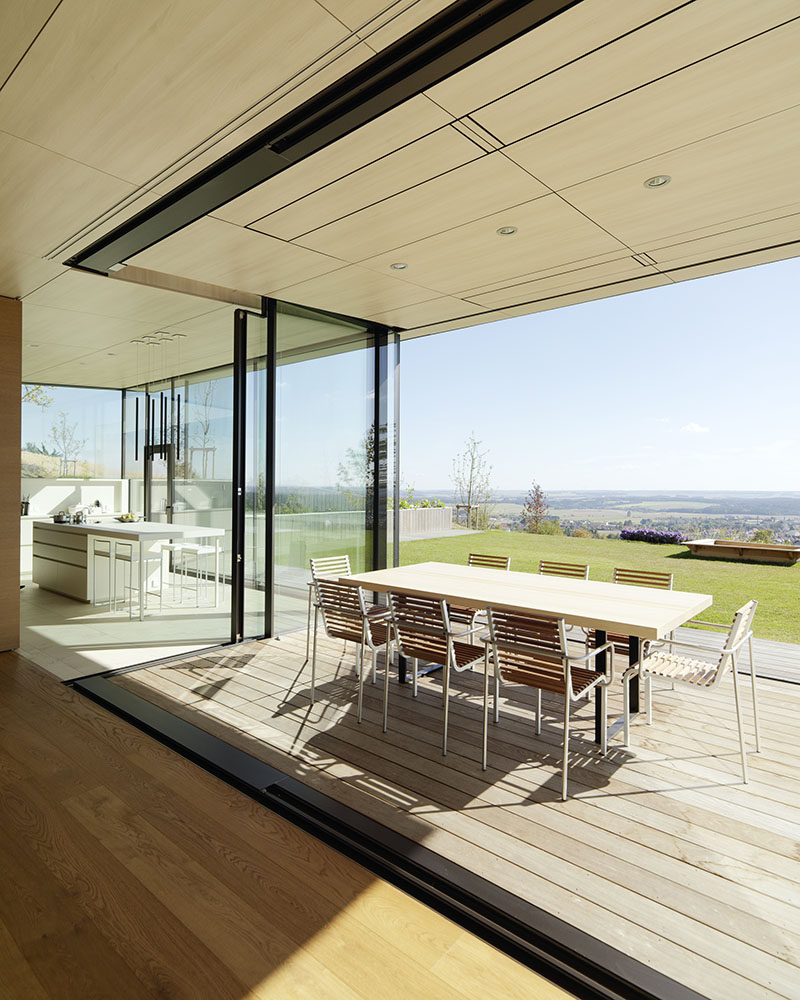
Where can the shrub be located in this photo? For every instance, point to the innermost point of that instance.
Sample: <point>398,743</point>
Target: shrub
<point>650,535</point>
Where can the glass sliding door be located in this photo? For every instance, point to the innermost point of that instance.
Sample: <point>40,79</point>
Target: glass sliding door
<point>325,452</point>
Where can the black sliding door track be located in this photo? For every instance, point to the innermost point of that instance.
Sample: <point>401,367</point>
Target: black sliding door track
<point>582,965</point>
<point>456,37</point>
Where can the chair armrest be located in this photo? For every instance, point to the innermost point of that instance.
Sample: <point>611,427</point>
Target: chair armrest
<point>606,647</point>
<point>716,625</point>
<point>469,631</point>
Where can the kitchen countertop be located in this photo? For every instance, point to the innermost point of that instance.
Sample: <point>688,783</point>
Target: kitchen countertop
<point>136,529</point>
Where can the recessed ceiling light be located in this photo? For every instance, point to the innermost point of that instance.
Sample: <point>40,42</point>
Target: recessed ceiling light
<point>32,345</point>
<point>116,267</point>
<point>506,230</point>
<point>658,181</point>
<point>399,266</point>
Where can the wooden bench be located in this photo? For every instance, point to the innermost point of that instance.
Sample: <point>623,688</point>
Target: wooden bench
<point>715,548</point>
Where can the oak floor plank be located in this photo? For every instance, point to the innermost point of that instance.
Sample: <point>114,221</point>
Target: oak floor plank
<point>127,872</point>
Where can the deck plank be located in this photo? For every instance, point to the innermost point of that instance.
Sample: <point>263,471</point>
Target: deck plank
<point>685,867</point>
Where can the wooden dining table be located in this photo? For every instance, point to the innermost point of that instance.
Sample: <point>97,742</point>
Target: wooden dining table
<point>609,608</point>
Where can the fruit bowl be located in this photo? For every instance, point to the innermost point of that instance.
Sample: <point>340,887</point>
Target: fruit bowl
<point>129,518</point>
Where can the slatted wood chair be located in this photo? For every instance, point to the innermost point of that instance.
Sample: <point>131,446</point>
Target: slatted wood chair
<point>532,650</point>
<point>330,567</point>
<point>577,571</point>
<point>345,616</point>
<point>468,616</point>
<point>697,673</point>
<point>421,630</point>
<point>631,578</point>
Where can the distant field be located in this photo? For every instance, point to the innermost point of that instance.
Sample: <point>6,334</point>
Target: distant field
<point>638,511</point>
<point>732,584</point>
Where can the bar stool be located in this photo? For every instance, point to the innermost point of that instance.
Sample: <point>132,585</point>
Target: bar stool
<point>178,567</point>
<point>201,552</point>
<point>131,553</point>
<point>101,549</point>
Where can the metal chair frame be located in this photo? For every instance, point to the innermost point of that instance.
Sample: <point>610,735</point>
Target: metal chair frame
<point>536,654</point>
<point>345,616</point>
<point>739,633</point>
<point>422,630</point>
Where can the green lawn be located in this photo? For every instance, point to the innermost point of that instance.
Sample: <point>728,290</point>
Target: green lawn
<point>776,588</point>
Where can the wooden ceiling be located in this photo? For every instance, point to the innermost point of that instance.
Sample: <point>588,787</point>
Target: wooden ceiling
<point>107,106</point>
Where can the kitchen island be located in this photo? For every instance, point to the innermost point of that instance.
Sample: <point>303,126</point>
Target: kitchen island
<point>62,553</point>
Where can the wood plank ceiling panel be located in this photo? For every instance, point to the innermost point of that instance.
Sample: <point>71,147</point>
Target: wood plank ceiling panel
<point>557,301</point>
<point>20,23</point>
<point>713,181</point>
<point>749,81</point>
<point>354,291</point>
<point>198,62</point>
<point>572,279</point>
<point>733,241</point>
<point>420,161</point>
<point>84,293</point>
<point>662,47</point>
<point>333,65</point>
<point>22,273</point>
<point>218,252</point>
<point>549,232</point>
<point>569,36</point>
<point>480,188</point>
<point>44,197</point>
<point>405,123</point>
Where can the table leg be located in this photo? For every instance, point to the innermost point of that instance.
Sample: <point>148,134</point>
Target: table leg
<point>635,652</point>
<point>600,664</point>
<point>141,581</point>
<point>402,668</point>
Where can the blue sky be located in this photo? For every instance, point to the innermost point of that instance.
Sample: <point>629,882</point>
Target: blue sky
<point>690,386</point>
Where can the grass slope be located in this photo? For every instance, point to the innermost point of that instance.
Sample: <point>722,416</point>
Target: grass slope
<point>732,584</point>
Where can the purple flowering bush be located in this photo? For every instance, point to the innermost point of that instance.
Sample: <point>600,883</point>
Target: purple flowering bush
<point>649,535</point>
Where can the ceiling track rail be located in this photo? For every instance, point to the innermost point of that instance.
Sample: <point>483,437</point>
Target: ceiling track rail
<point>455,38</point>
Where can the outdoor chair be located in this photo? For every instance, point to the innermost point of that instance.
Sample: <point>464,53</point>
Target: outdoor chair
<point>698,673</point>
<point>532,650</point>
<point>330,567</point>
<point>468,616</point>
<point>345,616</point>
<point>577,571</point>
<point>631,578</point>
<point>421,630</point>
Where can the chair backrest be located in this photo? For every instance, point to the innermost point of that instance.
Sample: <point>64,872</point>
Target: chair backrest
<point>490,562</point>
<point>420,626</point>
<point>643,578</point>
<point>528,645</point>
<point>330,566</point>
<point>740,626</point>
<point>575,570</point>
<point>343,609</point>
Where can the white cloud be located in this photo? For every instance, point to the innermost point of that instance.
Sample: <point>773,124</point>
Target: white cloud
<point>694,429</point>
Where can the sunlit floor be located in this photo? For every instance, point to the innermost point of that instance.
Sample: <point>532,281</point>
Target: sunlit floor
<point>72,639</point>
<point>661,850</point>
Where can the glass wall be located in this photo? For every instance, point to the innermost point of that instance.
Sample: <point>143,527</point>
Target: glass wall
<point>324,452</point>
<point>71,449</point>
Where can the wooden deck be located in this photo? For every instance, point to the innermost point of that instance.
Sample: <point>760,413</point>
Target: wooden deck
<point>128,872</point>
<point>661,850</point>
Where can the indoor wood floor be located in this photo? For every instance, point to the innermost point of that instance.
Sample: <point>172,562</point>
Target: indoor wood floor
<point>661,850</point>
<point>129,873</point>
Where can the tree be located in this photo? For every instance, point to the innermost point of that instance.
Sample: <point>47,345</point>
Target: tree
<point>471,478</point>
<point>36,394</point>
<point>67,444</point>
<point>355,471</point>
<point>535,509</point>
<point>763,535</point>
<point>580,533</point>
